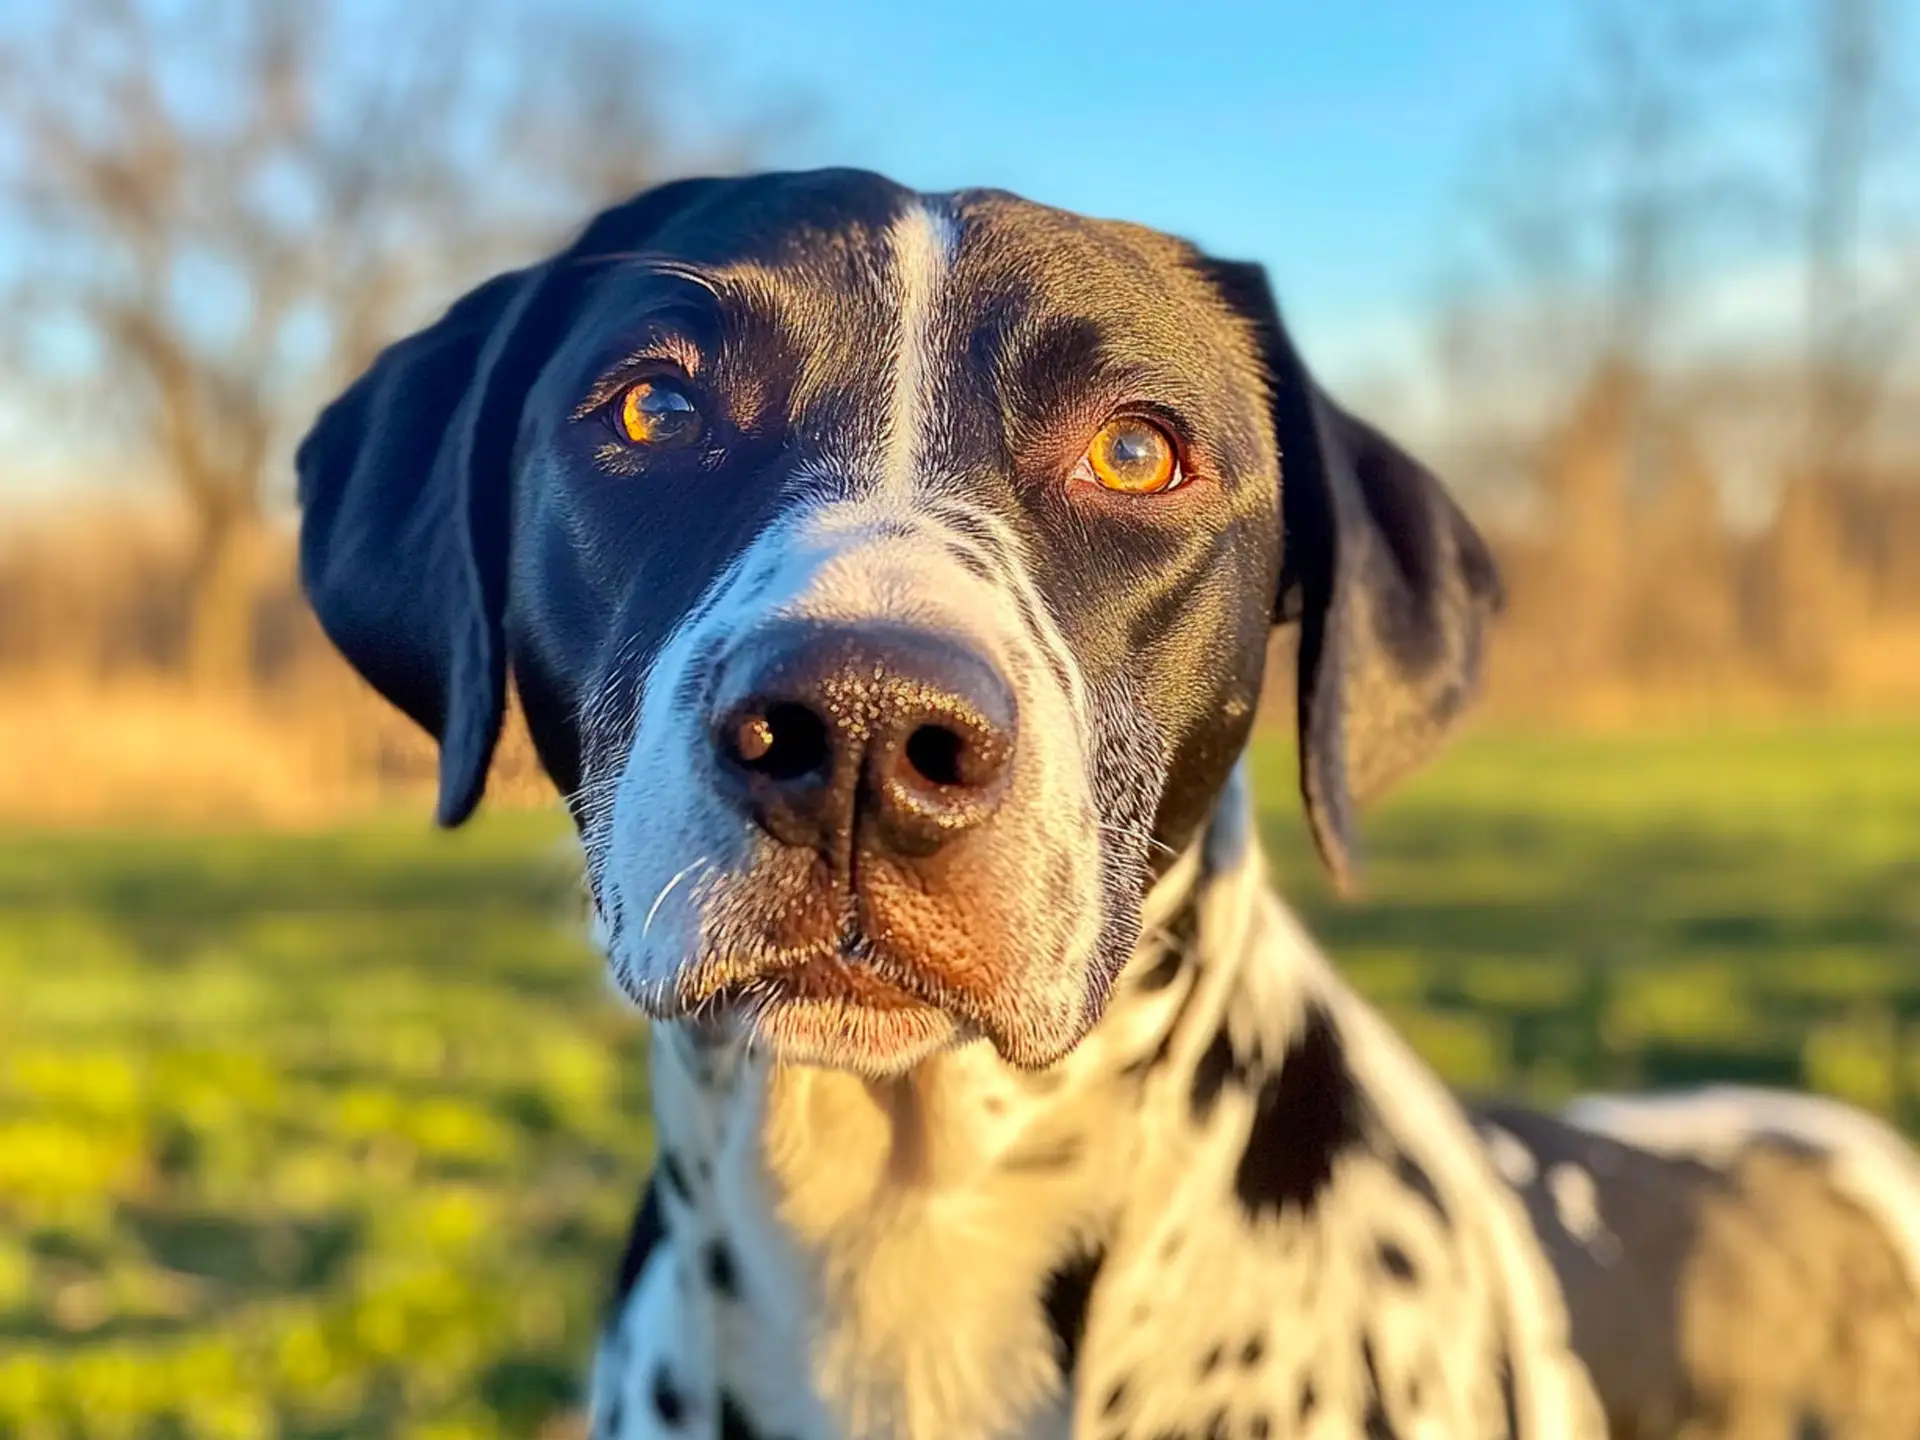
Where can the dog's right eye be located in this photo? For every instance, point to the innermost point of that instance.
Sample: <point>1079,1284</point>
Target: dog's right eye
<point>658,413</point>
<point>1133,456</point>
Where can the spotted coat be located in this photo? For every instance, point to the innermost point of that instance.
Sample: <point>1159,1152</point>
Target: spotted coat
<point>1241,1208</point>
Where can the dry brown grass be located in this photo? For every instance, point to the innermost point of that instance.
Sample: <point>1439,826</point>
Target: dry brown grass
<point>98,724</point>
<point>149,752</point>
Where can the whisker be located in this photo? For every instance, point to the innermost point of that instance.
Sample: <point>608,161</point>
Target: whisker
<point>667,889</point>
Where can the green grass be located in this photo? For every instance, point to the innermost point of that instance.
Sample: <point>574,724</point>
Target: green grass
<point>1545,913</point>
<point>336,1135</point>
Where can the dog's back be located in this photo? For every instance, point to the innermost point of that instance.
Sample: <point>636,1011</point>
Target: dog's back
<point>1736,1262</point>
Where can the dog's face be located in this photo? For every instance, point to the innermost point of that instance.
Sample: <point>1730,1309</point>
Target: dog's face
<point>887,579</point>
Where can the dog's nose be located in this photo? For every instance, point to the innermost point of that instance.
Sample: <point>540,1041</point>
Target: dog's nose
<point>903,736</point>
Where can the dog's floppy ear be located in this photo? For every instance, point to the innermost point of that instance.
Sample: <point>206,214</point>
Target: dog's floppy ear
<point>1390,584</point>
<point>405,491</point>
<point>403,532</point>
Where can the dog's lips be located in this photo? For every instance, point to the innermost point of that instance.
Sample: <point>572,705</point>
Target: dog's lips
<point>823,978</point>
<point>835,1011</point>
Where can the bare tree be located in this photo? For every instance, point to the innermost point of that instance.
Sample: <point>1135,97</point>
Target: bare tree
<point>1597,205</point>
<point>1850,342</point>
<point>223,207</point>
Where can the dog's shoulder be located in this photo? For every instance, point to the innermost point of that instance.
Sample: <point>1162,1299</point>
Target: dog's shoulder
<point>1326,1243</point>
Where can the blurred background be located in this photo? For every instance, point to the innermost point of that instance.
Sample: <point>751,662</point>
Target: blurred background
<point>315,1123</point>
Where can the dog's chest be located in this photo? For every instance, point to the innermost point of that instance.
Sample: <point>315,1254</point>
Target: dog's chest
<point>839,1259</point>
<point>1223,1223</point>
<point>1008,1313</point>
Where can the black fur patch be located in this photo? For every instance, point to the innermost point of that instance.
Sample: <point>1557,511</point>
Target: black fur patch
<point>1164,972</point>
<point>668,1403</point>
<point>733,1421</point>
<point>1306,1116</point>
<point>1146,1064</point>
<point>721,1274</point>
<point>1065,1300</point>
<point>676,1176</point>
<point>1216,1066</point>
<point>646,1233</point>
<point>1376,1423</point>
<point>1410,1173</point>
<point>1396,1262</point>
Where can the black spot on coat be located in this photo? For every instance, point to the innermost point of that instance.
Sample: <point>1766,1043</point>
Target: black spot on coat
<point>1375,1422</point>
<point>676,1176</point>
<point>1307,1114</point>
<point>1410,1173</point>
<point>668,1403</point>
<point>733,1420</point>
<point>1216,1066</point>
<point>722,1277</point>
<point>1396,1262</point>
<point>1069,1291</point>
<point>1165,971</point>
<point>643,1238</point>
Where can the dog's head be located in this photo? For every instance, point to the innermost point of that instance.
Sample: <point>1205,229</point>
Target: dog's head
<point>886,578</point>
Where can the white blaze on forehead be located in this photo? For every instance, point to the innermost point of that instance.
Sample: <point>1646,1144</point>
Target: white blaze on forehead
<point>922,243</point>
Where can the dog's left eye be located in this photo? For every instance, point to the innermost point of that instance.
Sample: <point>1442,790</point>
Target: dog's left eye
<point>658,412</point>
<point>1134,456</point>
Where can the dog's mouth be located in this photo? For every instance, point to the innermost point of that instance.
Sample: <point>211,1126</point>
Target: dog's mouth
<point>872,970</point>
<point>833,1010</point>
<point>849,1007</point>
<point>825,979</point>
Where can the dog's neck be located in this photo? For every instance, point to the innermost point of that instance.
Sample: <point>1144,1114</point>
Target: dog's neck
<point>914,1256</point>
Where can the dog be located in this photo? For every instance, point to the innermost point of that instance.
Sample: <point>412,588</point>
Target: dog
<point>887,581</point>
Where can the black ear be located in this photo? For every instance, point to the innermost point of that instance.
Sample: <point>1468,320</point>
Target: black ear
<point>405,491</point>
<point>403,535</point>
<point>1392,588</point>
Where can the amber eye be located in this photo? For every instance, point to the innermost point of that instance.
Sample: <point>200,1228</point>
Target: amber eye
<point>1133,455</point>
<point>656,412</point>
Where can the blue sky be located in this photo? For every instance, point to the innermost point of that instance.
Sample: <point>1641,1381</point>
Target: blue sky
<point>1328,140</point>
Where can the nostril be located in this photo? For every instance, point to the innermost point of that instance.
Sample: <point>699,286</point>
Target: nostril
<point>936,754</point>
<point>783,742</point>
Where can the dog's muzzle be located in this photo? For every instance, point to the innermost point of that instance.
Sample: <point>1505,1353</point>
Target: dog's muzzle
<point>870,759</point>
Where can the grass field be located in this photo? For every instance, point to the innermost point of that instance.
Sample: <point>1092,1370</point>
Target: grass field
<point>334,1135</point>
